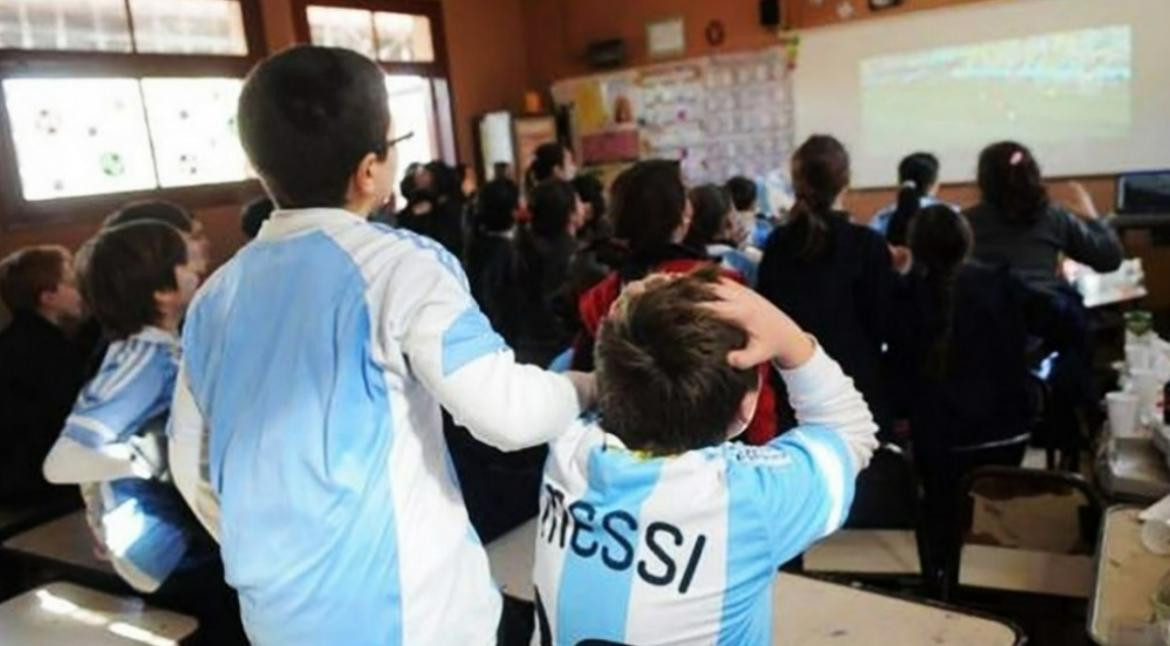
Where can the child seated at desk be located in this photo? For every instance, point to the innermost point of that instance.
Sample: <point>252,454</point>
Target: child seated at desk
<point>42,366</point>
<point>655,527</point>
<point>137,279</point>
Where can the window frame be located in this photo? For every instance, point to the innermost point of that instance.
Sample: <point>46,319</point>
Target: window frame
<point>437,72</point>
<point>18,213</point>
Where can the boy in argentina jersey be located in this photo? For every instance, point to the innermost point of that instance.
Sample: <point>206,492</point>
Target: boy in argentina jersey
<point>137,279</point>
<point>305,430</point>
<point>656,529</point>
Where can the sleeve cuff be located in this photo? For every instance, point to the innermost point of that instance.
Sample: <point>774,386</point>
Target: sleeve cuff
<point>812,375</point>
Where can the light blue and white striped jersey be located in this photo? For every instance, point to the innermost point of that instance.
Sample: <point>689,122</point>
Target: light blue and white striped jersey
<point>122,411</point>
<point>314,363</point>
<point>633,549</point>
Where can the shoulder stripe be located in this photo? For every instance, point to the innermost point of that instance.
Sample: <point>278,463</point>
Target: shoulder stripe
<point>124,359</point>
<point>142,359</point>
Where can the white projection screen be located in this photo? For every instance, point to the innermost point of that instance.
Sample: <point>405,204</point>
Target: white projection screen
<point>1084,83</point>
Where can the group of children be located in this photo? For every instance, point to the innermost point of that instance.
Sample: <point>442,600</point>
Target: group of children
<point>290,410</point>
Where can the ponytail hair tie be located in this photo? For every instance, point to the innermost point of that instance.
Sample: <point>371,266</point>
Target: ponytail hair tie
<point>1017,157</point>
<point>910,184</point>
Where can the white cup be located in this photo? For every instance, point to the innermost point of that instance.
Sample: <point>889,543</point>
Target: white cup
<point>1148,388</point>
<point>1123,413</point>
<point>1138,357</point>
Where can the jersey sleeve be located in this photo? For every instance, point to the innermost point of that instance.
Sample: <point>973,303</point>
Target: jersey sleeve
<point>807,476</point>
<point>808,491</point>
<point>1090,242</point>
<point>102,438</point>
<point>452,349</point>
<point>189,435</point>
<point>132,388</point>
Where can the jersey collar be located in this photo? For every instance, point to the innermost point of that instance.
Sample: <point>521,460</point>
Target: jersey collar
<point>290,222</point>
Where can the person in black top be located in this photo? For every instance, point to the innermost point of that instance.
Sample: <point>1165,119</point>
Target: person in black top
<point>435,206</point>
<point>491,261</point>
<point>1017,225</point>
<point>918,174</point>
<point>596,254</point>
<point>959,349</point>
<point>42,366</point>
<point>550,161</point>
<point>546,247</point>
<point>499,489</point>
<point>834,278</point>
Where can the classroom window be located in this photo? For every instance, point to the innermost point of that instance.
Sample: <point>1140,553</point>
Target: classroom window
<point>386,36</point>
<point>193,128</point>
<point>110,100</point>
<point>189,27</point>
<point>67,147</point>
<point>144,26</point>
<point>412,105</point>
<point>90,25</point>
<point>127,135</point>
<point>338,27</point>
<point>405,38</point>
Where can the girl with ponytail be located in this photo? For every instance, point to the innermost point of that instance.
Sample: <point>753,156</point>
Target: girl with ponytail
<point>1017,225</point>
<point>959,356</point>
<point>918,174</point>
<point>836,279</point>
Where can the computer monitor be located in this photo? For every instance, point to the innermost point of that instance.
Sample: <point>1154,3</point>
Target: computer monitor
<point>1144,193</point>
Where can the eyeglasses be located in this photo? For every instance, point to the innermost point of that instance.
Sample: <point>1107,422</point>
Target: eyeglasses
<point>397,140</point>
<point>383,147</point>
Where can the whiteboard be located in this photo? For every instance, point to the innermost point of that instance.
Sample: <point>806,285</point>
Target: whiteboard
<point>1084,83</point>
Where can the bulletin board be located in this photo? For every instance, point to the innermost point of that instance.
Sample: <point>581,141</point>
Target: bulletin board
<point>719,116</point>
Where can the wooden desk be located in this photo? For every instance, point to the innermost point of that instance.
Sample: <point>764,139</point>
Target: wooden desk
<point>1132,470</point>
<point>16,519</point>
<point>64,540</point>
<point>807,612</point>
<point>811,612</point>
<point>1126,577</point>
<point>887,552</point>
<point>66,614</point>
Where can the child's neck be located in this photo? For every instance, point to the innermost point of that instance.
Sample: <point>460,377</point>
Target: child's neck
<point>169,321</point>
<point>55,318</point>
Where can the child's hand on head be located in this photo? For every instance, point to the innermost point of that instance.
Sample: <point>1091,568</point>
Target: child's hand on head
<point>772,335</point>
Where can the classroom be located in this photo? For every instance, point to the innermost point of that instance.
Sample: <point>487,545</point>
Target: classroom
<point>584,323</point>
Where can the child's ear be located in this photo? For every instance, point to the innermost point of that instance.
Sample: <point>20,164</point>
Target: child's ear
<point>365,178</point>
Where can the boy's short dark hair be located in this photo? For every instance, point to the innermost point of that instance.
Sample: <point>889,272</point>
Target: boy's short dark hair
<point>496,205</point>
<point>552,205</point>
<point>255,214</point>
<point>664,382</point>
<point>122,268</point>
<point>152,211</point>
<point>307,117</point>
<point>647,204</point>
<point>27,273</point>
<point>743,192</point>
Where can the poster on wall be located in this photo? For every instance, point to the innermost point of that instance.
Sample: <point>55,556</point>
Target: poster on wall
<point>530,133</point>
<point>719,116</point>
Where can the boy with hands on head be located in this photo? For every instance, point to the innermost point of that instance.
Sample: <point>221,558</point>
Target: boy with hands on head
<point>654,527</point>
